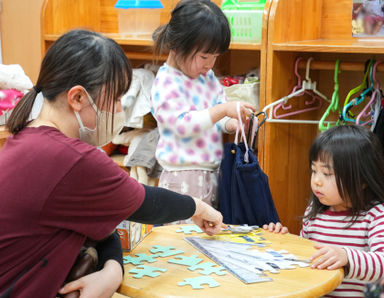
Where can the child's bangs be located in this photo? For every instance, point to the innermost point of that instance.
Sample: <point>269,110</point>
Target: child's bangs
<point>320,154</point>
<point>213,42</point>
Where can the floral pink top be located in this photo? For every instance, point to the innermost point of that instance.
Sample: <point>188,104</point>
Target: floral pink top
<point>188,138</point>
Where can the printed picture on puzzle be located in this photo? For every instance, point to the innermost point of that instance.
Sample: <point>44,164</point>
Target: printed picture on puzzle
<point>368,18</point>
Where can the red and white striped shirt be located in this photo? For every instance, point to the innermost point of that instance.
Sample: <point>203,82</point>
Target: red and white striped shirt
<point>363,242</point>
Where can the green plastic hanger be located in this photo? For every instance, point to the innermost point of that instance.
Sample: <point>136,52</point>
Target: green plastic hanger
<point>347,115</point>
<point>334,105</point>
<point>358,88</point>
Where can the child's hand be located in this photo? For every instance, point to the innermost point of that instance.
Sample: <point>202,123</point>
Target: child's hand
<point>329,257</point>
<point>276,228</point>
<point>231,125</point>
<point>245,109</point>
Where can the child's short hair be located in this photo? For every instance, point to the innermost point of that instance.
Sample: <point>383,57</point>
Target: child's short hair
<point>357,158</point>
<point>195,25</point>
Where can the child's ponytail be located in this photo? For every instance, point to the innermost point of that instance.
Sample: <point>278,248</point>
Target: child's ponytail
<point>160,42</point>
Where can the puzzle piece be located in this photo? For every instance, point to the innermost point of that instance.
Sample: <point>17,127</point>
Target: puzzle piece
<point>208,268</point>
<point>139,259</point>
<point>165,251</point>
<point>146,271</point>
<point>189,229</point>
<point>197,282</point>
<point>188,261</point>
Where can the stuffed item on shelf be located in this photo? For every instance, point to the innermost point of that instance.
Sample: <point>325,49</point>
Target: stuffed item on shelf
<point>141,143</point>
<point>13,77</point>
<point>136,102</point>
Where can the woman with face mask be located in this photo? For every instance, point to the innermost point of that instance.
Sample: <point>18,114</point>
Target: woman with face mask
<point>57,189</point>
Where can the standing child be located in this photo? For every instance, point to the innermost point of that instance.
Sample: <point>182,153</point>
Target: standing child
<point>346,212</point>
<point>188,101</point>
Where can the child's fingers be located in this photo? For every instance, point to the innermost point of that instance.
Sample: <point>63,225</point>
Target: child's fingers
<point>72,286</point>
<point>318,245</point>
<point>249,106</point>
<point>327,262</point>
<point>320,251</point>
<point>271,227</point>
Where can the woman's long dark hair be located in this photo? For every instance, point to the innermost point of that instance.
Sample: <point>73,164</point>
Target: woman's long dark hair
<point>195,25</point>
<point>358,164</point>
<point>79,57</point>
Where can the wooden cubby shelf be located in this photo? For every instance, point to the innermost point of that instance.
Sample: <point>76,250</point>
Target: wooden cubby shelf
<point>320,29</point>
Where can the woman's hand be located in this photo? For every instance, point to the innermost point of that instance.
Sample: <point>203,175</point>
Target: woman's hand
<point>276,228</point>
<point>207,218</point>
<point>329,257</point>
<point>100,284</point>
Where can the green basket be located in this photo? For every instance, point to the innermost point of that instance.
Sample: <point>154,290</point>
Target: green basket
<point>245,19</point>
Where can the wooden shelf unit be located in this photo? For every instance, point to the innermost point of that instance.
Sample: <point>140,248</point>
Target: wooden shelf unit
<point>307,28</point>
<point>59,16</point>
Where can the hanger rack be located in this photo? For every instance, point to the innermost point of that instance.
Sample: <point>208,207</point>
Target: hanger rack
<point>318,65</point>
<point>307,84</point>
<point>330,65</point>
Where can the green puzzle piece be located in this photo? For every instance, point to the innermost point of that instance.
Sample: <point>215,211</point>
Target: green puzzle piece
<point>140,258</point>
<point>197,282</point>
<point>146,271</point>
<point>165,251</point>
<point>189,229</point>
<point>208,268</point>
<point>188,261</point>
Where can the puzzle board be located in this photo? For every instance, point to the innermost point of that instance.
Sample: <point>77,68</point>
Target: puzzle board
<point>246,263</point>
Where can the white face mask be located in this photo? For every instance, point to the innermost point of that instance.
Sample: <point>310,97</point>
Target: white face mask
<point>102,133</point>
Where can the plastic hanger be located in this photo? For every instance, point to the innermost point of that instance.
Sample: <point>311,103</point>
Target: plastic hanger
<point>361,86</point>
<point>298,85</point>
<point>357,100</point>
<point>314,98</point>
<point>307,84</point>
<point>253,123</point>
<point>254,126</point>
<point>376,97</point>
<point>334,105</point>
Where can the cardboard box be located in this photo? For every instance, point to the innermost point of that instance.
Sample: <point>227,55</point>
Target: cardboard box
<point>132,233</point>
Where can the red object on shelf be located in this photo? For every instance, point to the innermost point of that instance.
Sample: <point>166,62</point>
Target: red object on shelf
<point>228,81</point>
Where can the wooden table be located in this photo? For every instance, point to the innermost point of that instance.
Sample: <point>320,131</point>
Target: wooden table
<point>300,282</point>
